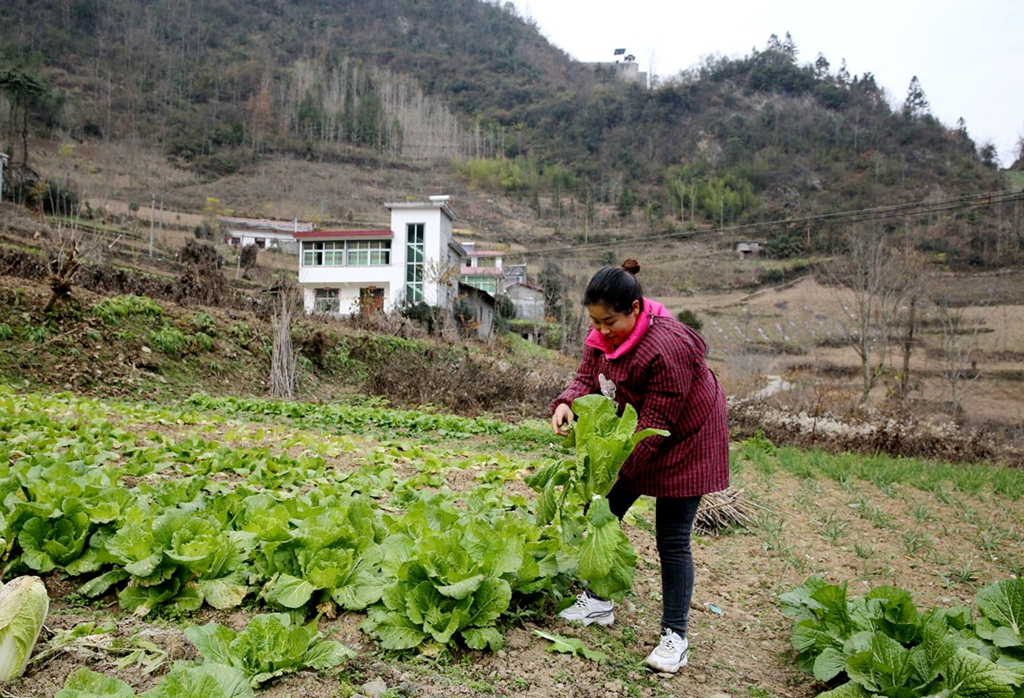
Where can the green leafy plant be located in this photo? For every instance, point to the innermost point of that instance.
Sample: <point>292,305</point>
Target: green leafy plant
<point>450,579</point>
<point>270,645</point>
<point>23,607</point>
<point>179,557</point>
<point>170,340</point>
<point>61,515</point>
<point>203,322</point>
<point>200,341</point>
<point>240,332</point>
<point>35,333</point>
<point>569,645</point>
<point>333,554</point>
<point>183,681</point>
<point>1001,621</point>
<point>884,646</point>
<point>47,543</point>
<point>112,311</point>
<point>573,492</point>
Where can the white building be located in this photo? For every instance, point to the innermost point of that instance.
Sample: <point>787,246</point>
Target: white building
<point>264,233</point>
<point>345,272</point>
<point>482,268</point>
<point>749,248</point>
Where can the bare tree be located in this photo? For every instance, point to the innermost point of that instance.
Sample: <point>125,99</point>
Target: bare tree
<point>912,287</point>
<point>282,361</point>
<point>960,350</point>
<point>67,248</point>
<point>62,266</point>
<point>869,282</point>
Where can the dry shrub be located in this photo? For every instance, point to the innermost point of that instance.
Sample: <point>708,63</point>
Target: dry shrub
<point>25,265</point>
<point>201,282</point>
<point>393,324</point>
<point>449,376</point>
<point>894,433</point>
<point>282,360</point>
<point>316,346</point>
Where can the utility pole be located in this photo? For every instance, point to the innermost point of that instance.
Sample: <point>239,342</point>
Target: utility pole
<point>152,220</point>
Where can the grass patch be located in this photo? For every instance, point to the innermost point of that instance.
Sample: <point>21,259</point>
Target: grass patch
<point>887,473</point>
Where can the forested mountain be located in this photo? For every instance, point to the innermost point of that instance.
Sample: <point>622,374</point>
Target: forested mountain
<point>219,84</point>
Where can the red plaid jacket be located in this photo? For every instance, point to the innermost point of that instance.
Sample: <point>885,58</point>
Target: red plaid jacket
<point>666,379</point>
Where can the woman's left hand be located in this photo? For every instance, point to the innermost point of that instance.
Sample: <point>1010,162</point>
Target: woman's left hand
<point>561,420</point>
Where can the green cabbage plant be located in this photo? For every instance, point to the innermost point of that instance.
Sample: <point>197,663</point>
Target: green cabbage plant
<point>574,492</point>
<point>23,607</point>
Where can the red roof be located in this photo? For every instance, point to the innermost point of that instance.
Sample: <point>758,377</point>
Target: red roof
<point>343,234</point>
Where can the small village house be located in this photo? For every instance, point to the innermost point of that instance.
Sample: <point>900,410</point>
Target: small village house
<point>482,268</point>
<point>416,260</point>
<point>476,310</point>
<point>528,301</point>
<point>264,233</point>
<point>485,269</point>
<point>749,248</point>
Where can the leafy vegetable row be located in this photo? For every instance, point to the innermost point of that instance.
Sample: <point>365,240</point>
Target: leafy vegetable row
<point>347,417</point>
<point>881,645</point>
<point>231,665</point>
<point>192,521</point>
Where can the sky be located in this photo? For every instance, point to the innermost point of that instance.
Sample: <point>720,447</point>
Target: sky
<point>968,56</point>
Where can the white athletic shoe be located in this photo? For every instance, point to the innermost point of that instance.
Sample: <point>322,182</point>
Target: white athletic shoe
<point>590,609</point>
<point>672,653</point>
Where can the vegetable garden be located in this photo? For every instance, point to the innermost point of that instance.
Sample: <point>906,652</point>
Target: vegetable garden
<point>224,546</point>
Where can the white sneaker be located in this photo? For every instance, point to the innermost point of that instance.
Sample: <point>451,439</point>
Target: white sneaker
<point>672,653</point>
<point>590,609</point>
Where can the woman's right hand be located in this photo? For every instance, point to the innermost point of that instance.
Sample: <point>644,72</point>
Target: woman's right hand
<point>561,420</point>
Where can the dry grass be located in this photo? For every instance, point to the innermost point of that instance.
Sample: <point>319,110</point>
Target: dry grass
<point>727,510</point>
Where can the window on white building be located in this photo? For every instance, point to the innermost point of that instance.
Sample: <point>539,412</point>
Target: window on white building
<point>414,262</point>
<point>364,253</point>
<point>312,254</point>
<point>327,301</point>
<point>334,253</point>
<point>338,253</point>
<point>488,284</point>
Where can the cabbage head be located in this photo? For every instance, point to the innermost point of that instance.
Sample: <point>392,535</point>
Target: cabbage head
<point>23,607</point>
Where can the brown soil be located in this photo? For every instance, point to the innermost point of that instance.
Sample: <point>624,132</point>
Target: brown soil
<point>792,331</point>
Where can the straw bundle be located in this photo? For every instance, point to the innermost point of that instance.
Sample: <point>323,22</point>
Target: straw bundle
<point>723,510</point>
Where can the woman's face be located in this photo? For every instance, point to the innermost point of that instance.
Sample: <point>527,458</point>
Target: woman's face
<point>613,325</point>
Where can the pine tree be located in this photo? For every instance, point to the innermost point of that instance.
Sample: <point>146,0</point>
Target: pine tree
<point>916,104</point>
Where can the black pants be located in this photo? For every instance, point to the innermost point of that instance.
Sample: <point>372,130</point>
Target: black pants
<point>673,524</point>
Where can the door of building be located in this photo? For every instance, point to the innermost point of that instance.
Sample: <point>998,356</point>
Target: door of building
<point>371,300</point>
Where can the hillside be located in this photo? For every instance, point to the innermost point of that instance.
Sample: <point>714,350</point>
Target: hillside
<point>166,325</point>
<point>149,121</point>
<point>762,144</point>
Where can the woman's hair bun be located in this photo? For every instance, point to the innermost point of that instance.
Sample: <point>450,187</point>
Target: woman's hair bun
<point>632,266</point>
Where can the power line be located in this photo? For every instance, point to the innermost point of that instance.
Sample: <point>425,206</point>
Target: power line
<point>863,215</point>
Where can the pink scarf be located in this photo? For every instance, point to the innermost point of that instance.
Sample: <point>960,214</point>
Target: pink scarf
<point>643,321</point>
